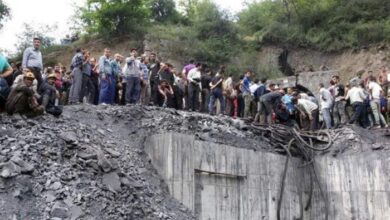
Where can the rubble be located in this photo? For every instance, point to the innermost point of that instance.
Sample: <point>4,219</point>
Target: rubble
<point>90,163</point>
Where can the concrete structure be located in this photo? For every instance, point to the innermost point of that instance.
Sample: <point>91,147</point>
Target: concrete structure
<point>220,182</point>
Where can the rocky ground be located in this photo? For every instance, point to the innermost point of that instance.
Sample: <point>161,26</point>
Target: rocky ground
<point>90,163</point>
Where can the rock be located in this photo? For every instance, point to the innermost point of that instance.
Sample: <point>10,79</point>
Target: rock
<point>9,170</point>
<point>75,212</point>
<point>103,162</point>
<point>112,152</point>
<point>112,181</point>
<point>25,167</point>
<point>56,186</point>
<point>69,137</point>
<point>59,210</point>
<point>377,146</point>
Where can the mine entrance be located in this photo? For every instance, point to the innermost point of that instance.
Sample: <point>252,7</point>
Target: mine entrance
<point>217,196</point>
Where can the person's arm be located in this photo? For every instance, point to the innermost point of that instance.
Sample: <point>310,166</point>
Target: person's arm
<point>40,60</point>
<point>190,76</point>
<point>26,54</point>
<point>7,72</point>
<point>161,91</point>
<point>170,90</point>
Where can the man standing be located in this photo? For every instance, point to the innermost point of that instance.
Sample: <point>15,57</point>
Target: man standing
<point>154,67</point>
<point>205,82</point>
<point>187,68</point>
<point>326,105</point>
<point>216,93</point>
<point>132,73</point>
<point>75,94</point>
<point>356,96</point>
<point>194,87</point>
<point>106,78</point>
<point>32,59</point>
<point>375,93</point>
<point>339,115</point>
<point>145,86</point>
<point>246,93</point>
<point>116,71</point>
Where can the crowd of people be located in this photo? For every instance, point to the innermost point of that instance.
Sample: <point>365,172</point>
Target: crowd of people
<point>28,88</point>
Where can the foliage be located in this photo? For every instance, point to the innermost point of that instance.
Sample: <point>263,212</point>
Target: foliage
<point>111,18</point>
<point>25,39</point>
<point>4,12</point>
<point>328,25</point>
<point>164,11</point>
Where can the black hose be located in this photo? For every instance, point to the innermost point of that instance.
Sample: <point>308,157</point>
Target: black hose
<point>284,177</point>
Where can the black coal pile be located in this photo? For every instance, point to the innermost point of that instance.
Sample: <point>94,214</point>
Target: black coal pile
<point>90,162</point>
<point>70,168</point>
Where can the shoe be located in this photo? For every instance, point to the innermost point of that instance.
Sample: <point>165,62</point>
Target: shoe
<point>376,127</point>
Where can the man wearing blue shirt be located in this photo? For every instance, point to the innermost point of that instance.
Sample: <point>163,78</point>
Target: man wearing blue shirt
<point>32,59</point>
<point>106,76</point>
<point>246,93</point>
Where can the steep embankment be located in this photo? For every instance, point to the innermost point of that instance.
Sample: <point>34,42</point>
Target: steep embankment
<point>348,62</point>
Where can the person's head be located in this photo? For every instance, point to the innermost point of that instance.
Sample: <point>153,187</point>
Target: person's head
<point>290,90</point>
<point>118,57</point>
<point>107,52</point>
<point>321,85</point>
<point>51,78</point>
<point>145,60</point>
<point>372,78</point>
<point>256,81</point>
<point>384,69</point>
<point>18,66</point>
<point>336,79</point>
<point>163,83</point>
<point>282,91</point>
<point>37,43</point>
<point>263,80</point>
<point>92,61</point>
<point>133,52</point>
<point>49,70</point>
<point>163,66</point>
<point>248,73</point>
<point>152,56</point>
<point>272,86</point>
<point>332,83</point>
<point>192,61</point>
<point>79,50</point>
<point>294,100</point>
<point>28,78</point>
<point>198,66</point>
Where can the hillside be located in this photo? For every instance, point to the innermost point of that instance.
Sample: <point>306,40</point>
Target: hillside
<point>348,62</point>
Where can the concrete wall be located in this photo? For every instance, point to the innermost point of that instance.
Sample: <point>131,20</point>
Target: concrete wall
<point>220,182</point>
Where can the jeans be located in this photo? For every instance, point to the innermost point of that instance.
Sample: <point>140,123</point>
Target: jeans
<point>358,109</point>
<point>327,117</point>
<point>376,111</point>
<point>133,89</point>
<point>247,100</point>
<point>339,114</point>
<point>216,94</point>
<point>193,96</point>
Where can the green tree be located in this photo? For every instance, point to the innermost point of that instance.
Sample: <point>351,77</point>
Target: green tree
<point>4,12</point>
<point>164,11</point>
<point>111,18</point>
<point>25,39</point>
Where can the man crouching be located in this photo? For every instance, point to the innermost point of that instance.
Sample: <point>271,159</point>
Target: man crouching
<point>22,100</point>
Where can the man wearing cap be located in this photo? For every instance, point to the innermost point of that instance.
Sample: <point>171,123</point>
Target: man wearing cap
<point>22,100</point>
<point>106,75</point>
<point>32,59</point>
<point>132,73</point>
<point>49,95</point>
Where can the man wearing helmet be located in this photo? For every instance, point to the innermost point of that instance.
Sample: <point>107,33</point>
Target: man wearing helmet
<point>21,98</point>
<point>49,94</point>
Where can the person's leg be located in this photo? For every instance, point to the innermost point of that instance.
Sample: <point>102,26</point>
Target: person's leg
<point>191,97</point>
<point>129,89</point>
<point>113,89</point>
<point>123,99</point>
<point>336,114</point>
<point>268,111</point>
<point>222,101</point>
<point>247,101</point>
<point>104,91</point>
<point>375,112</point>
<point>327,117</point>
<point>137,89</point>
<point>211,103</point>
<point>314,121</point>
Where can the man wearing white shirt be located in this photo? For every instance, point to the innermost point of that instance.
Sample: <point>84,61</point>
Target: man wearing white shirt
<point>307,108</point>
<point>194,86</point>
<point>375,94</point>
<point>356,96</point>
<point>326,105</point>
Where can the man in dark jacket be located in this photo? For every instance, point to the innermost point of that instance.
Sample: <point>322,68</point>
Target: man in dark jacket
<point>267,105</point>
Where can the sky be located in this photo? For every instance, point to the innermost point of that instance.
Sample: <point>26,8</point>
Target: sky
<point>56,12</point>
